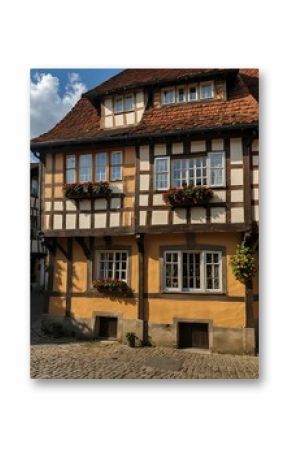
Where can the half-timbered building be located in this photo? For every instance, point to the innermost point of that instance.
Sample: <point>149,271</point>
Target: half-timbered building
<point>116,208</point>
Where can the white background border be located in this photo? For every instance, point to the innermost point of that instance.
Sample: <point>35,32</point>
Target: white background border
<point>154,414</point>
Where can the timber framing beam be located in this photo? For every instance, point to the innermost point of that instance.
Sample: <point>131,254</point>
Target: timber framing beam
<point>86,249</point>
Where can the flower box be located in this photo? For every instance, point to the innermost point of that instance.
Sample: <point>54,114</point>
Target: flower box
<point>114,287</point>
<point>79,191</point>
<point>188,196</point>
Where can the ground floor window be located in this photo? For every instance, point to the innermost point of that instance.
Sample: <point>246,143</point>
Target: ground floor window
<point>112,264</point>
<point>190,271</point>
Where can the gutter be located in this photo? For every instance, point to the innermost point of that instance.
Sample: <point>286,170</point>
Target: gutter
<point>137,137</point>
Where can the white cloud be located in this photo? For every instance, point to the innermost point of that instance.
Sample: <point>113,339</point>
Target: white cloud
<point>47,106</point>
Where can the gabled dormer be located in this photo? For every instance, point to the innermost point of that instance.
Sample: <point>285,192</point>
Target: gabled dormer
<point>122,109</point>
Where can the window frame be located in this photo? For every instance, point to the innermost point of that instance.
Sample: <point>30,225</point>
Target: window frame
<point>197,93</point>
<point>74,169</point>
<point>116,98</point>
<point>98,253</point>
<point>184,94</point>
<point>203,274</point>
<point>162,95</point>
<point>133,103</point>
<point>223,168</point>
<point>168,173</point>
<point>206,83</point>
<point>91,168</point>
<point>116,165</point>
<point>96,166</point>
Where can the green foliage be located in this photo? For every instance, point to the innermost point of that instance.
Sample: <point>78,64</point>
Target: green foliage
<point>243,263</point>
<point>188,195</point>
<point>87,189</point>
<point>54,329</point>
<point>115,286</point>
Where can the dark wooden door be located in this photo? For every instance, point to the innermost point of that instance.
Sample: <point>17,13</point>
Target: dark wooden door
<point>108,327</point>
<point>193,335</point>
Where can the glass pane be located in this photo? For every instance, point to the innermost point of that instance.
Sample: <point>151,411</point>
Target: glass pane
<point>116,158</point>
<point>216,160</point>
<point>192,93</point>
<point>70,176</point>
<point>161,165</point>
<point>168,96</point>
<point>116,173</point>
<point>129,103</point>
<point>118,104</point>
<point>101,159</point>
<point>206,91</point>
<point>180,95</point>
<point>100,173</point>
<point>70,161</point>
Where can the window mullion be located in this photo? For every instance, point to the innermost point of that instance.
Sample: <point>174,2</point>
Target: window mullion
<point>202,271</point>
<point>180,271</point>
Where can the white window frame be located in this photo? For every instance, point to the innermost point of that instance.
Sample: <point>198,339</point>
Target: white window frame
<point>223,183</point>
<point>168,173</point>
<point>184,94</point>
<point>206,83</point>
<point>203,278</point>
<point>74,169</point>
<point>98,262</point>
<point>162,95</point>
<point>188,93</point>
<point>116,165</point>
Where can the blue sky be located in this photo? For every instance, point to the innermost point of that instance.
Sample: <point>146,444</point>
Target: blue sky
<point>53,92</point>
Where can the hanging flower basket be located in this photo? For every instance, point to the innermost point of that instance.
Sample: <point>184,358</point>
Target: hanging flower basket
<point>188,196</point>
<point>243,263</point>
<point>87,190</point>
<point>112,286</point>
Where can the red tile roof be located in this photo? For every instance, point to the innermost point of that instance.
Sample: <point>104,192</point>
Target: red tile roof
<point>241,107</point>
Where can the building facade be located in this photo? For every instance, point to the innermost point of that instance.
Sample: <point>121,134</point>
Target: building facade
<point>114,172</point>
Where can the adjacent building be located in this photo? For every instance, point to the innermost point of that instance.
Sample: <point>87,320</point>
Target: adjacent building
<point>150,182</point>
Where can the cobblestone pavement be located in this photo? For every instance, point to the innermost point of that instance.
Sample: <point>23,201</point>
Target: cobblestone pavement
<point>96,360</point>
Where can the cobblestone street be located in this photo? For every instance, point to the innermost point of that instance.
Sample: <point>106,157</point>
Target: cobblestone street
<point>96,360</point>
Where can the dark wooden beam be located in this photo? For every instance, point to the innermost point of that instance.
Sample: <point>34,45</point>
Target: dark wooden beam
<point>51,256</point>
<point>141,296</point>
<point>83,245</point>
<point>62,249</point>
<point>69,277</point>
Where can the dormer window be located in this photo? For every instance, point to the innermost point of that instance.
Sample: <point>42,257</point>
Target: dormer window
<point>192,93</point>
<point>118,105</point>
<point>129,103</point>
<point>181,95</point>
<point>168,96</point>
<point>206,90</point>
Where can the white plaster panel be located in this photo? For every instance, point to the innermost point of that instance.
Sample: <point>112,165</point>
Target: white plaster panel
<point>109,121</point>
<point>218,196</point>
<point>255,176</point>
<point>58,205</point>
<point>57,221</point>
<point>139,114</point>
<point>85,221</point>
<point>119,120</point>
<point>114,219</point>
<point>177,148</point>
<point>117,187</point>
<point>237,196</point>
<point>70,221</point>
<point>237,176</point>
<point>108,106</point>
<point>255,194</point>
<point>158,199</point>
<point>46,222</point>
<point>115,203</point>
<point>130,118</point>
<point>255,145</point>
<point>255,160</point>
<point>159,217</point>
<point>85,205</point>
<point>255,213</point>
<point>179,216</point>
<point>140,99</point>
<point>142,217</point>
<point>198,215</point>
<point>100,204</point>
<point>70,205</point>
<point>237,215</point>
<point>47,206</point>
<point>144,158</point>
<point>236,151</point>
<point>217,145</point>
<point>143,200</point>
<point>160,149</point>
<point>144,182</point>
<point>198,145</point>
<point>218,215</point>
<point>100,220</point>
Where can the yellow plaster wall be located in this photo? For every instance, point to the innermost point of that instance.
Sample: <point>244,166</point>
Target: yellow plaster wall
<point>223,314</point>
<point>83,307</point>
<point>56,306</point>
<point>79,269</point>
<point>60,270</point>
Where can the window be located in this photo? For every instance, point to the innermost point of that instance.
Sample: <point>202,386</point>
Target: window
<point>85,167</point>
<point>129,103</point>
<point>34,187</point>
<point>206,90</point>
<point>192,93</point>
<point>189,171</point>
<point>101,162</point>
<point>162,178</point>
<point>168,96</point>
<point>112,264</point>
<point>70,169</point>
<point>216,164</point>
<point>189,271</point>
<point>118,105</point>
<point>180,95</point>
<point>116,165</point>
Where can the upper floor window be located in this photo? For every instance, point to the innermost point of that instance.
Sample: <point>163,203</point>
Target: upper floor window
<point>180,94</point>
<point>129,103</point>
<point>101,164</point>
<point>34,187</point>
<point>189,271</point>
<point>206,90</point>
<point>112,264</point>
<point>85,167</point>
<point>116,165</point>
<point>208,170</point>
<point>118,105</point>
<point>70,169</point>
<point>192,93</point>
<point>168,96</point>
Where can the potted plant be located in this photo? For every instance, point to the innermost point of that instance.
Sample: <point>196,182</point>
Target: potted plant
<point>243,263</point>
<point>112,286</point>
<point>79,190</point>
<point>188,196</point>
<point>131,339</point>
